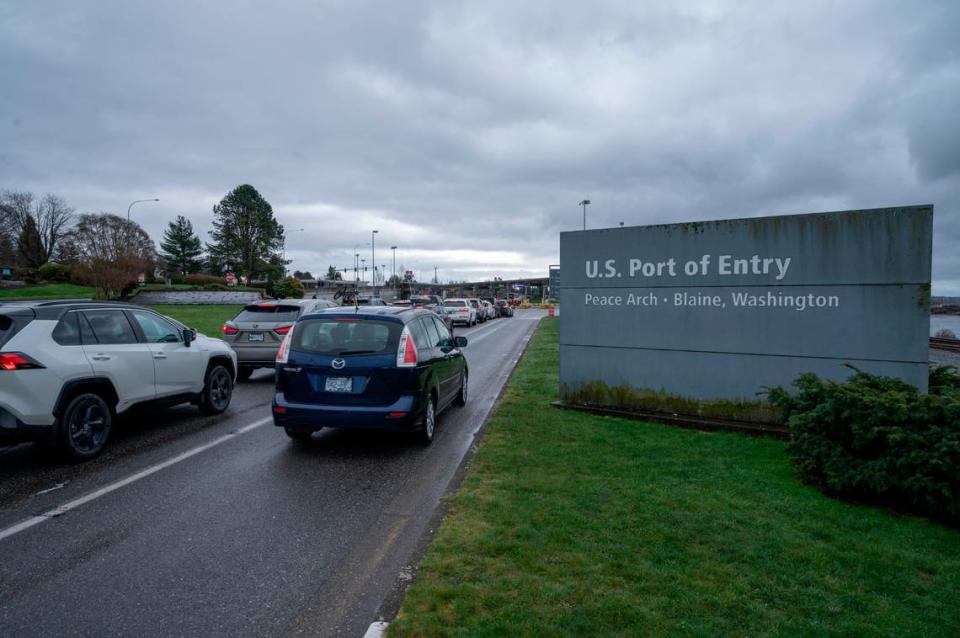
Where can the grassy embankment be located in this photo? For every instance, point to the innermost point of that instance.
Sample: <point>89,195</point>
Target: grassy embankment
<point>207,318</point>
<point>47,291</point>
<point>571,524</point>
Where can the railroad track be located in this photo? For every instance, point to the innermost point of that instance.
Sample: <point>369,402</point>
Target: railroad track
<point>951,345</point>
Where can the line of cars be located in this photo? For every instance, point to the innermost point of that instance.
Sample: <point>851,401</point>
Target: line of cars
<point>471,311</point>
<point>367,366</point>
<point>69,368</point>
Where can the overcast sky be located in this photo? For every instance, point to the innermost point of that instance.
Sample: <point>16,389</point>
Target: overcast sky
<point>467,132</point>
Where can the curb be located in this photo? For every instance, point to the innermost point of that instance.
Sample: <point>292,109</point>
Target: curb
<point>376,629</point>
<point>394,598</point>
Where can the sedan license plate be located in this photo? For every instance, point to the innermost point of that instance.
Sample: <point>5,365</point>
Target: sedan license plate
<point>338,384</point>
<point>255,336</point>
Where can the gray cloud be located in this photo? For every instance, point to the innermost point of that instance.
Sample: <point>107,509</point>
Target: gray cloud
<point>467,132</point>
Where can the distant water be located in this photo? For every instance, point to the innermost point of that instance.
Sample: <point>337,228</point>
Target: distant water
<point>950,322</point>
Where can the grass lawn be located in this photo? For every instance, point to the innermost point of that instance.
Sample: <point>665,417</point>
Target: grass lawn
<point>571,524</point>
<point>47,291</point>
<point>207,318</point>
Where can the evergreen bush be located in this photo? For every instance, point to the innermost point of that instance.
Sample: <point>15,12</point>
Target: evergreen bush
<point>288,288</point>
<point>59,273</point>
<point>878,439</point>
<point>199,279</point>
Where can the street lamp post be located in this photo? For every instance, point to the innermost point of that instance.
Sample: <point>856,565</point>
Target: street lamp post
<point>584,204</point>
<point>373,259</point>
<point>138,201</point>
<point>394,249</point>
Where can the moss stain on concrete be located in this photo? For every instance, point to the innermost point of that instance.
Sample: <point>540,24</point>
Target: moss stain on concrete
<point>598,393</point>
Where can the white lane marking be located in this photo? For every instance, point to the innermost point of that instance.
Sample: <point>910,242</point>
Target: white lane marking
<point>471,339</point>
<point>376,629</point>
<point>51,489</point>
<point>116,485</point>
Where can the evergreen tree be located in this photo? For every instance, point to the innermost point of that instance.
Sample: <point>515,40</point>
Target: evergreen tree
<point>246,236</point>
<point>333,273</point>
<point>180,247</point>
<point>30,246</point>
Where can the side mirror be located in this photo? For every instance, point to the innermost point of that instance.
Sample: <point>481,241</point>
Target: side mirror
<point>188,336</point>
<point>460,342</point>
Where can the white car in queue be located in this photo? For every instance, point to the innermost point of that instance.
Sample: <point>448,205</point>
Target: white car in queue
<point>461,311</point>
<point>69,368</point>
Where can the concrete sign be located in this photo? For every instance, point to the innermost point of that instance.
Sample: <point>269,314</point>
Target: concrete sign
<point>719,310</point>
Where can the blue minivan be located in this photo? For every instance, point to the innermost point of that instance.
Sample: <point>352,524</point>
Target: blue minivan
<point>368,367</point>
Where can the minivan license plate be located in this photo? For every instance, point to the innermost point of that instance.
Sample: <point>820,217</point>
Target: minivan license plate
<point>255,336</point>
<point>338,384</point>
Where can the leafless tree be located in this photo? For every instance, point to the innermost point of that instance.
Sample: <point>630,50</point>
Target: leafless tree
<point>110,252</point>
<point>36,226</point>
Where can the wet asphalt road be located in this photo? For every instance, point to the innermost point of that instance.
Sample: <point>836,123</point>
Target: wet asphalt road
<point>253,536</point>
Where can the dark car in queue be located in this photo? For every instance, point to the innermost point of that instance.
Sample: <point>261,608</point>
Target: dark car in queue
<point>479,309</point>
<point>386,368</point>
<point>433,303</point>
<point>504,308</point>
<point>256,332</point>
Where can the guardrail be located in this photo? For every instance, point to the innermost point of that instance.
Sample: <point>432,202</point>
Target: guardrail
<point>951,345</point>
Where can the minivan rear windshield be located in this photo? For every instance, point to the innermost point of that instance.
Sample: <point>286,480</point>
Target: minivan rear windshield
<point>454,304</point>
<point>338,336</point>
<point>269,313</point>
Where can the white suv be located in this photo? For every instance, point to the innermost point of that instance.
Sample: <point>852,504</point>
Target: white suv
<point>67,368</point>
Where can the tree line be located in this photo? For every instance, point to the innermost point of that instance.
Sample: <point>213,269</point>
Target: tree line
<point>110,253</point>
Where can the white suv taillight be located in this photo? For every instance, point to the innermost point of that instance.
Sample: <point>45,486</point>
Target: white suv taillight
<point>284,352</point>
<point>11,361</point>
<point>406,351</point>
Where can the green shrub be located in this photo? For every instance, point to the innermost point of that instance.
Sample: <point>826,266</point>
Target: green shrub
<point>879,439</point>
<point>215,287</point>
<point>28,275</point>
<point>199,279</point>
<point>59,273</point>
<point>288,288</point>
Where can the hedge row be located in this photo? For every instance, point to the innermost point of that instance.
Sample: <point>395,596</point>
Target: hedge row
<point>878,439</point>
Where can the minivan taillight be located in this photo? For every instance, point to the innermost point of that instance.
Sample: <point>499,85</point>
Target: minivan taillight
<point>284,352</point>
<point>406,351</point>
<point>17,361</point>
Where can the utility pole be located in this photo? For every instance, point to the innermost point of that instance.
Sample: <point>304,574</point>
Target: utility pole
<point>394,249</point>
<point>373,259</point>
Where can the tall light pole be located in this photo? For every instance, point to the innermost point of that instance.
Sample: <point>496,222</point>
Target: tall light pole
<point>138,201</point>
<point>356,268</point>
<point>373,259</point>
<point>394,249</point>
<point>584,204</point>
